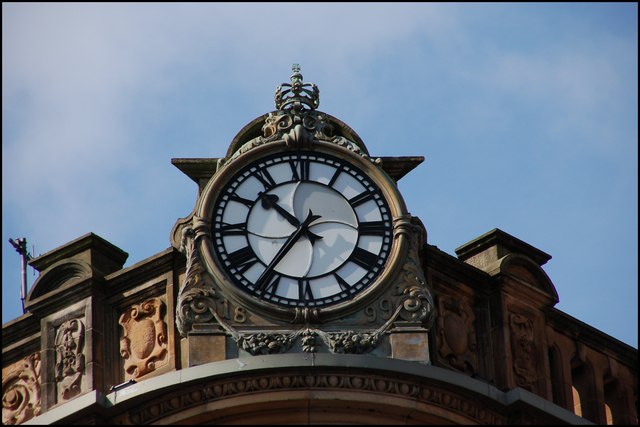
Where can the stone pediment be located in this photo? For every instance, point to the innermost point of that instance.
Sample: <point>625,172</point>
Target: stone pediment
<point>525,271</point>
<point>69,266</point>
<point>502,255</point>
<point>58,275</point>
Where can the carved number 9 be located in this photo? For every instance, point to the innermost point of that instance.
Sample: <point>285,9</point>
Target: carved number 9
<point>384,305</point>
<point>371,313</point>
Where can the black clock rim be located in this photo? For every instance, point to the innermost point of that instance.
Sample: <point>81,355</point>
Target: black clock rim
<point>320,302</point>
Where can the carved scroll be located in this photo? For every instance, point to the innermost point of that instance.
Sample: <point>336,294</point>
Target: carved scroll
<point>196,302</point>
<point>417,301</point>
<point>21,390</point>
<point>144,342</point>
<point>457,340</point>
<point>70,360</point>
<point>522,349</point>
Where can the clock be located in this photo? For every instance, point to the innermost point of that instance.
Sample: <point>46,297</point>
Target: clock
<point>303,228</point>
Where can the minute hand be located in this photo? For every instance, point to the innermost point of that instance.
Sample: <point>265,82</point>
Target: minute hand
<point>291,241</point>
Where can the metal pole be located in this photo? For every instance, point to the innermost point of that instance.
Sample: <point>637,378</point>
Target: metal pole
<point>21,247</point>
<point>23,291</point>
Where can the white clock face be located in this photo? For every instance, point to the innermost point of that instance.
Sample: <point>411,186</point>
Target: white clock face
<point>302,229</point>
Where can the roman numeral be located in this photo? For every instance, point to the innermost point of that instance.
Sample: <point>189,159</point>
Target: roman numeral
<point>364,258</point>
<point>268,283</point>
<point>300,169</point>
<point>343,284</point>
<point>239,229</point>
<point>304,290</point>
<point>335,176</point>
<point>373,228</point>
<point>242,259</point>
<point>234,197</point>
<point>263,175</point>
<point>361,198</point>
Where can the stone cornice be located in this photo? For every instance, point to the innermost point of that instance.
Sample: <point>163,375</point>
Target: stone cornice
<point>592,337</point>
<point>200,170</point>
<point>162,262</point>
<point>167,395</point>
<point>452,267</point>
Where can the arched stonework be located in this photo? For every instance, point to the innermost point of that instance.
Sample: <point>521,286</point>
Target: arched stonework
<point>21,390</point>
<point>57,275</point>
<point>309,395</point>
<point>526,270</point>
<point>144,342</point>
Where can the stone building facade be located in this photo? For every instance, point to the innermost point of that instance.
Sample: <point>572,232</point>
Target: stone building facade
<point>191,336</point>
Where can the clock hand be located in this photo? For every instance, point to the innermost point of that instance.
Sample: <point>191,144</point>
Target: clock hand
<point>291,241</point>
<point>269,201</point>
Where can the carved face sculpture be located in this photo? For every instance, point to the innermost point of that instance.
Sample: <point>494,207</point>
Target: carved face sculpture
<point>301,229</point>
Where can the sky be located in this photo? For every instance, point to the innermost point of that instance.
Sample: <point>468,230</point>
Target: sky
<point>526,114</point>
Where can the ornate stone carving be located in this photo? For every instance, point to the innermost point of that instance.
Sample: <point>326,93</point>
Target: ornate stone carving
<point>263,343</point>
<point>417,302</point>
<point>144,342</point>
<point>397,388</point>
<point>70,359</point>
<point>296,120</point>
<point>352,342</point>
<point>522,349</point>
<point>296,95</point>
<point>21,390</point>
<point>196,299</point>
<point>306,315</point>
<point>457,340</point>
<point>413,303</point>
<point>309,344</point>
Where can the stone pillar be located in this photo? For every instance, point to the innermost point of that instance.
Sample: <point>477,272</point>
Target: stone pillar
<point>409,341</point>
<point>206,343</point>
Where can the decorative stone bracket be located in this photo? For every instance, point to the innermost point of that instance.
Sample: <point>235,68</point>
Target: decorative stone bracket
<point>196,300</point>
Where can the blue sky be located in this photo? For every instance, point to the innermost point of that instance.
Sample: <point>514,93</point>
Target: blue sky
<point>526,115</point>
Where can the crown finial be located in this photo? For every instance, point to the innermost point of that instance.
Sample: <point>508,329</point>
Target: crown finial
<point>296,95</point>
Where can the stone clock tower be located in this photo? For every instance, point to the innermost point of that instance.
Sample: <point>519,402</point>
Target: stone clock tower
<point>301,242</point>
<point>300,290</point>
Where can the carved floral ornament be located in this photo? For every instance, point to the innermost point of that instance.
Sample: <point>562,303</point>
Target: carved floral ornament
<point>144,342</point>
<point>197,304</point>
<point>21,390</point>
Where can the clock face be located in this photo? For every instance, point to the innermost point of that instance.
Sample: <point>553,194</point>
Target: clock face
<point>301,229</point>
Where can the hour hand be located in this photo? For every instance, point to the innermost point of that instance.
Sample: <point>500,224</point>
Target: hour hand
<point>270,201</point>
